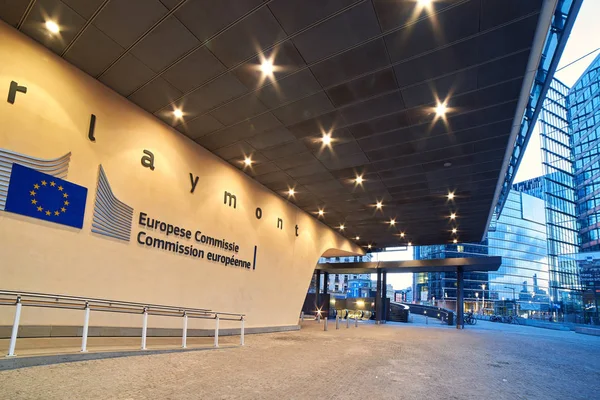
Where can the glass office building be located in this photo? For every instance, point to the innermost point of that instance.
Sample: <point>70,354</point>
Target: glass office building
<point>584,120</point>
<point>521,285</point>
<point>558,187</point>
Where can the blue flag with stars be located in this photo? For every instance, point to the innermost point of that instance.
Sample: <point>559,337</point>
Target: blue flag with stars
<point>43,196</point>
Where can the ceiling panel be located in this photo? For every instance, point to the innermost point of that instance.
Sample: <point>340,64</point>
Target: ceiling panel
<point>200,126</point>
<point>258,31</point>
<point>165,44</point>
<point>237,110</point>
<point>126,21</point>
<point>214,93</point>
<point>155,95</point>
<point>347,29</point>
<point>11,11</point>
<point>93,52</point>
<point>193,70</point>
<point>127,75</point>
<point>351,64</point>
<point>69,23</point>
<point>205,18</point>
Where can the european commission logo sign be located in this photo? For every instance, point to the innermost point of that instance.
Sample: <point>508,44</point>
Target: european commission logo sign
<point>43,196</point>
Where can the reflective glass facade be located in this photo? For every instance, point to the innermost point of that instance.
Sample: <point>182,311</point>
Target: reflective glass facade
<point>521,285</point>
<point>584,119</point>
<point>559,194</point>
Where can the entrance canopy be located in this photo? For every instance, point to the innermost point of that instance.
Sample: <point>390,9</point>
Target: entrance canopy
<point>468,264</point>
<point>337,106</point>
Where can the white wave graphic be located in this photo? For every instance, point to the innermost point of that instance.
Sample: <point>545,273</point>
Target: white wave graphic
<point>112,217</point>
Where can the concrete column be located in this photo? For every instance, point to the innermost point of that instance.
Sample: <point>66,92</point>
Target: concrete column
<point>318,288</point>
<point>378,298</point>
<point>383,296</point>
<point>460,321</point>
<point>325,282</point>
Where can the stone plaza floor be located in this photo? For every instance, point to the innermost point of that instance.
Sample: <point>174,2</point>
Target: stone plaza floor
<point>392,361</point>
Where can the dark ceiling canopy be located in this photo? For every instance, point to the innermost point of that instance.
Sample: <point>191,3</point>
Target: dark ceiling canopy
<point>370,73</point>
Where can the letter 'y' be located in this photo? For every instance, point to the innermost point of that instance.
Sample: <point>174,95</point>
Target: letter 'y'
<point>194,182</point>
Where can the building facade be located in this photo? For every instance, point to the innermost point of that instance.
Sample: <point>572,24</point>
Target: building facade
<point>584,120</point>
<point>558,189</point>
<point>521,285</point>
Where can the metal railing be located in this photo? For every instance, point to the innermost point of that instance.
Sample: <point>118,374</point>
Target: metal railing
<point>89,304</point>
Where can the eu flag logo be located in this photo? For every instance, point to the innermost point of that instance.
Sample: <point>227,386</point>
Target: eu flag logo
<point>43,196</point>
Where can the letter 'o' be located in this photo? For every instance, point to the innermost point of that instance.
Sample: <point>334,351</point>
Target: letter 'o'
<point>258,213</point>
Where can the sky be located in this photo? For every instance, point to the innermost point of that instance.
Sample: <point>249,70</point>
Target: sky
<point>585,37</point>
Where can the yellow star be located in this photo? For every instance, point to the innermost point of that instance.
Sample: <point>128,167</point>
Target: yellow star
<point>60,188</point>
<point>48,213</point>
<point>63,210</point>
<point>36,186</point>
<point>32,192</point>
<point>40,209</point>
<point>56,213</point>
<point>34,201</point>
<point>65,195</point>
<point>66,202</point>
<point>43,183</point>
<point>52,184</point>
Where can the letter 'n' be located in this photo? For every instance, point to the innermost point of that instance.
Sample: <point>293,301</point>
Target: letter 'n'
<point>279,223</point>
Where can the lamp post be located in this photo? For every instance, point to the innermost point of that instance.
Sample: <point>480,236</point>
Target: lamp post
<point>482,298</point>
<point>477,301</point>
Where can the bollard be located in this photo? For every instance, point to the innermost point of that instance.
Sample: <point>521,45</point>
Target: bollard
<point>144,328</point>
<point>319,317</point>
<point>15,329</point>
<point>302,316</point>
<point>86,324</point>
<point>426,320</point>
<point>217,330</point>
<point>184,335</point>
<point>242,333</point>
<point>347,321</point>
<point>356,322</point>
<point>337,322</point>
<point>325,327</point>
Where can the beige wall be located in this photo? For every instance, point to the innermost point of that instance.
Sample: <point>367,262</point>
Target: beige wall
<point>52,119</point>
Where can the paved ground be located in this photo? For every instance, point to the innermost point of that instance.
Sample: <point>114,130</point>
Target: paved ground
<point>408,361</point>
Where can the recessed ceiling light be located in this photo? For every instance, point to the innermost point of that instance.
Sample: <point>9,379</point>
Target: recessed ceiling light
<point>392,222</point>
<point>379,205</point>
<point>455,241</point>
<point>359,180</point>
<point>453,230</point>
<point>441,109</point>
<point>369,246</point>
<point>248,161</point>
<point>357,238</point>
<point>326,139</point>
<point>341,227</point>
<point>410,243</point>
<point>425,2</point>
<point>321,212</point>
<point>452,216</point>
<point>401,234</point>
<point>267,67</point>
<point>451,196</point>
<point>291,192</point>
<point>52,26</point>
